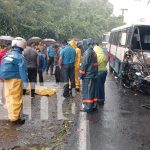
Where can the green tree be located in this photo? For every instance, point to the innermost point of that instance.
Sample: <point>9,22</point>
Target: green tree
<point>60,19</point>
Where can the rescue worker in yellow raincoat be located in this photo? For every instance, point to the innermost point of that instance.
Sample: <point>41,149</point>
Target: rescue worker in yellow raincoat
<point>14,74</point>
<point>77,63</point>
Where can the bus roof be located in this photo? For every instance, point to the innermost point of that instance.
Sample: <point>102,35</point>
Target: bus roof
<point>130,25</point>
<point>106,33</point>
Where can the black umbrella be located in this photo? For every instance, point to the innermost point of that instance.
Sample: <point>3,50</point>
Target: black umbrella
<point>34,39</point>
<point>48,41</point>
<point>6,38</point>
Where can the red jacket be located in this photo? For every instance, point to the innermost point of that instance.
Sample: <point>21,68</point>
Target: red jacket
<point>2,54</point>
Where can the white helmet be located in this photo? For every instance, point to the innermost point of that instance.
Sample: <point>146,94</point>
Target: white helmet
<point>19,42</point>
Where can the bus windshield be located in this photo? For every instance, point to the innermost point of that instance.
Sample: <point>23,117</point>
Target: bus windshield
<point>141,38</point>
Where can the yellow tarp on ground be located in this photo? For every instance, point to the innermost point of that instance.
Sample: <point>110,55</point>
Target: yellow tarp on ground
<point>43,91</point>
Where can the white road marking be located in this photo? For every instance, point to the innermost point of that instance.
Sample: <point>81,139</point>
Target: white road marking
<point>44,108</point>
<point>84,137</point>
<point>73,108</point>
<point>60,100</point>
<point>27,106</point>
<point>88,136</point>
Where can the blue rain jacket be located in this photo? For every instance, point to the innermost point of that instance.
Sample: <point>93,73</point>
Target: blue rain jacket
<point>68,55</point>
<point>13,66</point>
<point>42,62</point>
<point>50,51</point>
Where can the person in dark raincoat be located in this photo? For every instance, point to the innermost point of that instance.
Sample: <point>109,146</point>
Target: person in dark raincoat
<point>88,73</point>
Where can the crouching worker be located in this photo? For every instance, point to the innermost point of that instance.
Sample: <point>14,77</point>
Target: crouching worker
<point>13,72</point>
<point>88,73</point>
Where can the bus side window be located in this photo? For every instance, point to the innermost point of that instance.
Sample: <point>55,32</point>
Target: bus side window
<point>129,36</point>
<point>112,38</point>
<point>123,39</point>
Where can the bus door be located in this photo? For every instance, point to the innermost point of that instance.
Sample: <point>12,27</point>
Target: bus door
<point>120,51</point>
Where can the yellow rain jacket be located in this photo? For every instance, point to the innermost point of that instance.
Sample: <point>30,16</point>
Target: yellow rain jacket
<point>77,62</point>
<point>101,58</point>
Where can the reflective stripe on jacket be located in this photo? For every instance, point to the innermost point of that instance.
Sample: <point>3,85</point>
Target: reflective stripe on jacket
<point>89,67</point>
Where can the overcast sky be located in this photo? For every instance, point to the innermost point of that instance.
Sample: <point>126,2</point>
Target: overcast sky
<point>136,9</point>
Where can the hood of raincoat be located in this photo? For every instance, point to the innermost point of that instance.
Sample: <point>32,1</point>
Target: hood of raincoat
<point>73,44</point>
<point>79,44</point>
<point>90,42</point>
<point>85,45</point>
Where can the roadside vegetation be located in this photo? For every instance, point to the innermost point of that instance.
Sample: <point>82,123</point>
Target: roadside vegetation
<point>58,19</point>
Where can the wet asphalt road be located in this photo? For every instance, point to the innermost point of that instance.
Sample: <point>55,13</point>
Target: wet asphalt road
<point>122,123</point>
<point>50,133</point>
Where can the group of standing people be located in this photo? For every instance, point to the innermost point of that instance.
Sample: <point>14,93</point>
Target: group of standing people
<point>88,59</point>
<point>66,59</point>
<point>72,60</point>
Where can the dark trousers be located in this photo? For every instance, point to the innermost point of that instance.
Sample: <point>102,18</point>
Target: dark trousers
<point>101,78</point>
<point>68,74</point>
<point>32,76</point>
<point>58,74</point>
<point>50,64</point>
<point>40,72</point>
<point>89,99</point>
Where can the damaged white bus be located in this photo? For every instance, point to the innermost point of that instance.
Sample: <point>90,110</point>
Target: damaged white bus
<point>129,51</point>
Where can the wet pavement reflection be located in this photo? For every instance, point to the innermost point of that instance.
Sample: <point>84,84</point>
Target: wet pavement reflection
<point>122,123</point>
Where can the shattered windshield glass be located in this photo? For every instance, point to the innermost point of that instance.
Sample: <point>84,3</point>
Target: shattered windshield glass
<point>141,35</point>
